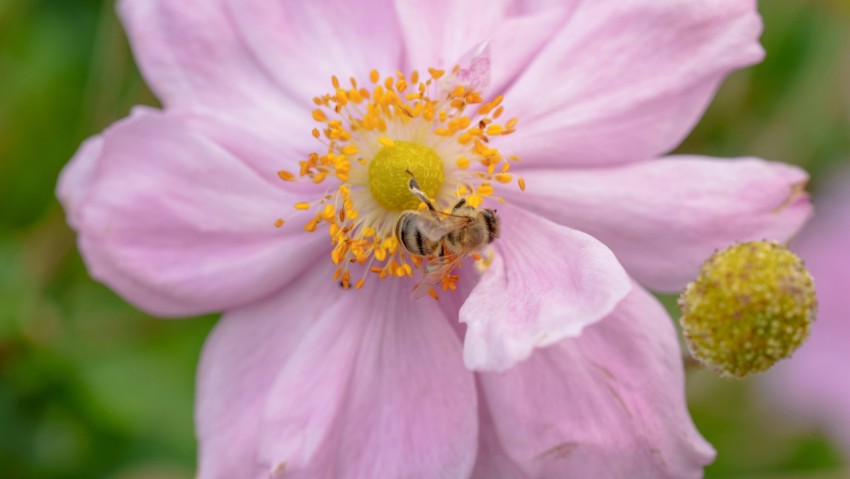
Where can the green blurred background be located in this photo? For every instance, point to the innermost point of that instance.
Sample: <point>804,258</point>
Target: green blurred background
<point>91,387</point>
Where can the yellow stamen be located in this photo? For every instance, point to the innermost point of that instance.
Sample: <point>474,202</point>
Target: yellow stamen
<point>494,130</point>
<point>486,190</point>
<point>285,175</point>
<point>319,115</point>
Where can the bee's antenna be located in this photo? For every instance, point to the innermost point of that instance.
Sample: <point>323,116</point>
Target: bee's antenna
<point>413,185</point>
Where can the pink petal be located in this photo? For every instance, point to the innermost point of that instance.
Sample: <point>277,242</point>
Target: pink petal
<point>546,283</point>
<point>242,358</point>
<point>265,147</point>
<point>176,224</point>
<point>197,61</point>
<point>517,41</point>
<point>440,33</point>
<point>305,42</point>
<point>609,403</point>
<point>249,68</point>
<point>376,388</point>
<point>493,461</point>
<point>626,80</point>
<point>191,54</point>
<point>663,218</point>
<point>226,52</point>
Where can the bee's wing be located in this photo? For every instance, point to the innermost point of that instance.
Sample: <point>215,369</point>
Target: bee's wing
<point>420,290</point>
<point>435,228</point>
<point>440,266</point>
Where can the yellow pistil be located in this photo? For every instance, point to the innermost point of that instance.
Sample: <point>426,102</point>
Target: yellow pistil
<point>388,175</point>
<point>372,137</point>
<point>752,305</point>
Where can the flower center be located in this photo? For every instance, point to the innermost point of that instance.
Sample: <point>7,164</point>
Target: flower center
<point>388,174</point>
<point>434,133</point>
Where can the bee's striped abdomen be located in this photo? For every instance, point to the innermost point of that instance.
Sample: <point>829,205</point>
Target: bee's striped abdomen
<point>409,235</point>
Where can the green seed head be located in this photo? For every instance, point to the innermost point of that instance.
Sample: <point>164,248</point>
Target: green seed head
<point>752,305</point>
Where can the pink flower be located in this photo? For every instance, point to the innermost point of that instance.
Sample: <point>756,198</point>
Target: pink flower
<point>813,383</point>
<point>302,378</point>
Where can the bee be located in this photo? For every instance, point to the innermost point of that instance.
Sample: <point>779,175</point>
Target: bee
<point>444,238</point>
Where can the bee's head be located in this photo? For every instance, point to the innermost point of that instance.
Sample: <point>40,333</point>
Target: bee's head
<point>492,222</point>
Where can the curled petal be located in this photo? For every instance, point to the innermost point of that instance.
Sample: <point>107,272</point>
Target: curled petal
<point>626,80</point>
<point>176,224</point>
<point>545,283</point>
<point>609,403</point>
<point>664,218</point>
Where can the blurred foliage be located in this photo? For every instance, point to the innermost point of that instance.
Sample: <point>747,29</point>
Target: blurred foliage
<point>91,387</point>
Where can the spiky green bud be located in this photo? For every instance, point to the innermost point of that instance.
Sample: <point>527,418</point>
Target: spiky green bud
<point>752,305</point>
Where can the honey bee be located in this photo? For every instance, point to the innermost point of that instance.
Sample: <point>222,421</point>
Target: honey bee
<point>444,239</point>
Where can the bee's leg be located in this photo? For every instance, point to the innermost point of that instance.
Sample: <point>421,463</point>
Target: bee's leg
<point>413,185</point>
